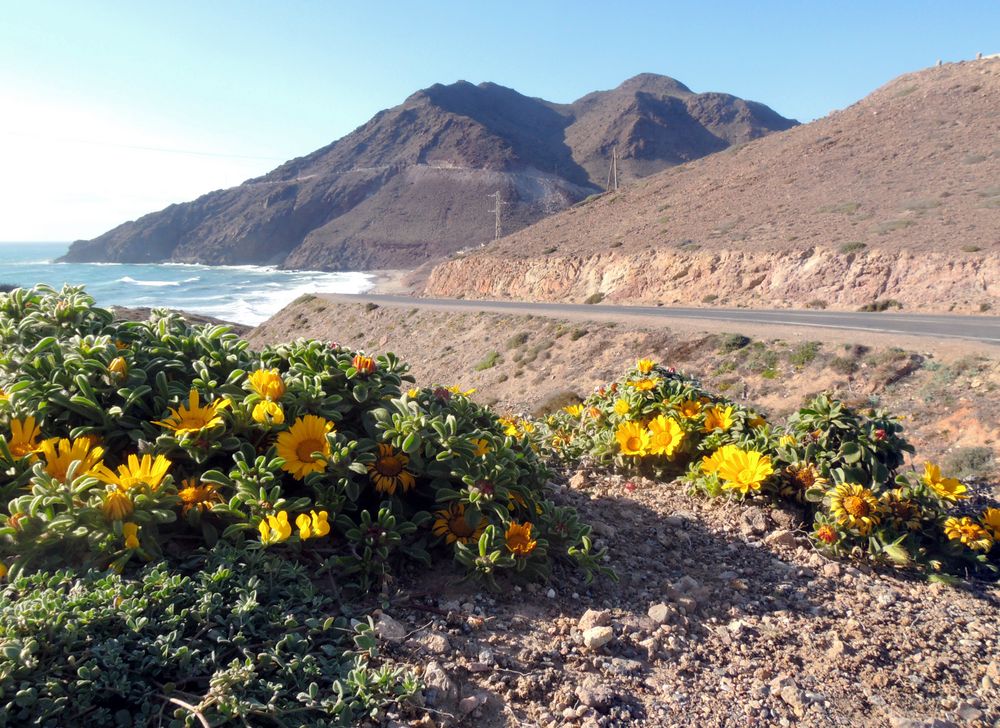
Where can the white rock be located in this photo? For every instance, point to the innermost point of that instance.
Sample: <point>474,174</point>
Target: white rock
<point>596,637</point>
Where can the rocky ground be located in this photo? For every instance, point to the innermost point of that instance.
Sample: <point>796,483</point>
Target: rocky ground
<point>724,615</point>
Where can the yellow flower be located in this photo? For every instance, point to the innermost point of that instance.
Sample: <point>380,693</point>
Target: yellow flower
<point>787,440</point>
<point>267,412</point>
<point>969,532</point>
<point>267,383</point>
<point>855,506</point>
<point>711,463</point>
<point>296,446</point>
<point>198,495</point>
<point>804,476</point>
<point>388,471</point>
<point>59,454</point>
<point>574,410</point>
<point>633,439</point>
<point>455,389</point>
<point>718,418</point>
<point>645,366</point>
<point>757,421</point>
<point>518,539</point>
<point>826,533</point>
<point>364,364</point>
<point>450,524</point>
<point>482,447</point>
<point>947,489</point>
<point>313,524</point>
<point>527,427</point>
<point>24,436</point>
<point>131,533</point>
<point>117,505</point>
<point>3,395</point>
<point>594,413</point>
<point>118,368</point>
<point>644,385</point>
<point>991,520</point>
<point>690,408</point>
<point>621,407</point>
<point>509,426</point>
<point>665,436</point>
<point>412,393</point>
<point>193,417</point>
<point>744,470</point>
<point>275,529</point>
<point>136,472</point>
<point>3,570</point>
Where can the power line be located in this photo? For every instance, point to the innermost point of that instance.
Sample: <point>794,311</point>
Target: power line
<point>498,205</point>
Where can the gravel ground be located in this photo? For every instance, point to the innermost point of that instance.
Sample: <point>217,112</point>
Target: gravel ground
<point>724,615</point>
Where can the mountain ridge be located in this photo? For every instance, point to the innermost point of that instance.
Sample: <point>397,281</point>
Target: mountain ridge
<point>411,184</point>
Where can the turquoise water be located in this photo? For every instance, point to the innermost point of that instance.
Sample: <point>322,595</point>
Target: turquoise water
<point>246,294</point>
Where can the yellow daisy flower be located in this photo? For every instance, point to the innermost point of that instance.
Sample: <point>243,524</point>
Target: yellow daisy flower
<point>718,418</point>
<point>389,471</point>
<point>518,539</point>
<point>118,368</point>
<point>744,470</point>
<point>947,489</point>
<point>482,447</point>
<point>855,506</point>
<point>644,385</point>
<point>296,446</point>
<point>665,436</point>
<point>621,407</point>
<point>787,440</point>
<point>455,389</point>
<point>60,453</point>
<point>690,408</point>
<point>450,524</point>
<point>194,417</point>
<point>573,410</point>
<point>267,383</point>
<point>364,364</point>
<point>645,366</point>
<point>195,494</point>
<point>117,505</point>
<point>633,439</point>
<point>135,473</point>
<point>827,534</point>
<point>969,532</point>
<point>24,436</point>
<point>711,463</point>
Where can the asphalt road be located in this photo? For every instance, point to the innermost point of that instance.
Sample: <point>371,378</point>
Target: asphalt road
<point>974,328</point>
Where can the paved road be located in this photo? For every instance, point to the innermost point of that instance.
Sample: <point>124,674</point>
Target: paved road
<point>974,328</point>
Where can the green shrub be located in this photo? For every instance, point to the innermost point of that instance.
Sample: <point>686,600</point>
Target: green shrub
<point>805,353</point>
<point>594,298</point>
<point>578,334</point>
<point>488,362</point>
<point>969,462</point>
<point>817,303</point>
<point>733,342</point>
<point>848,248</point>
<point>175,435</point>
<point>234,635</point>
<point>518,340</point>
<point>881,305</point>
<point>710,298</point>
<point>970,248</point>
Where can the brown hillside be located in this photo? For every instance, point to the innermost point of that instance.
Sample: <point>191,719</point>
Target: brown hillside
<point>411,185</point>
<point>897,196</point>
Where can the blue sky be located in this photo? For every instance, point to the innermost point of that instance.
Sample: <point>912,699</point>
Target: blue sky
<point>112,109</point>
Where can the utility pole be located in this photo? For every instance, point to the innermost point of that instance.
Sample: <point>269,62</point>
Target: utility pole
<point>498,205</point>
<point>613,170</point>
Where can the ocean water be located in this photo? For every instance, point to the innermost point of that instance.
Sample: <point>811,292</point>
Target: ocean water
<point>246,294</point>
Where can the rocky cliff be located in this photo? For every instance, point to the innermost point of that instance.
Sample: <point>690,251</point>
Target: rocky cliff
<point>411,184</point>
<point>895,197</point>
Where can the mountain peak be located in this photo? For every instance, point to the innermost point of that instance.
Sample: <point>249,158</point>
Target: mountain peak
<point>655,83</point>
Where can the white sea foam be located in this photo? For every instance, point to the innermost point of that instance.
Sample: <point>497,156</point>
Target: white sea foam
<point>151,284</point>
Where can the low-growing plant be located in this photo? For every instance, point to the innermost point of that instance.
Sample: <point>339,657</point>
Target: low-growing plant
<point>969,462</point>
<point>488,362</point>
<point>594,298</point>
<point>804,354</point>
<point>883,304</point>
<point>729,343</point>
<point>848,248</point>
<point>228,635</point>
<point>817,303</point>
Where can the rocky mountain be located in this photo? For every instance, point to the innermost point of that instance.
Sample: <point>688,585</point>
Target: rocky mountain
<point>896,197</point>
<point>411,185</point>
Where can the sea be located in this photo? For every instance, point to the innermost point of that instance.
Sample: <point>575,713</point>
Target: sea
<point>245,294</point>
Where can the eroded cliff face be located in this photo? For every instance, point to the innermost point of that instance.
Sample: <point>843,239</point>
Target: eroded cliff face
<point>817,277</point>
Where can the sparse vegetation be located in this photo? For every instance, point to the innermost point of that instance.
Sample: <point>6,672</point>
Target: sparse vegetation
<point>577,334</point>
<point>518,340</point>
<point>817,303</point>
<point>843,208</point>
<point>733,342</point>
<point>970,248</point>
<point>884,228</point>
<point>489,362</point>
<point>848,248</point>
<point>371,306</point>
<point>969,462</point>
<point>710,298</point>
<point>881,305</point>
<point>805,353</point>
<point>594,298</point>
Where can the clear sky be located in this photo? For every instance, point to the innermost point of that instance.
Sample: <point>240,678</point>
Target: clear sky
<point>109,110</point>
